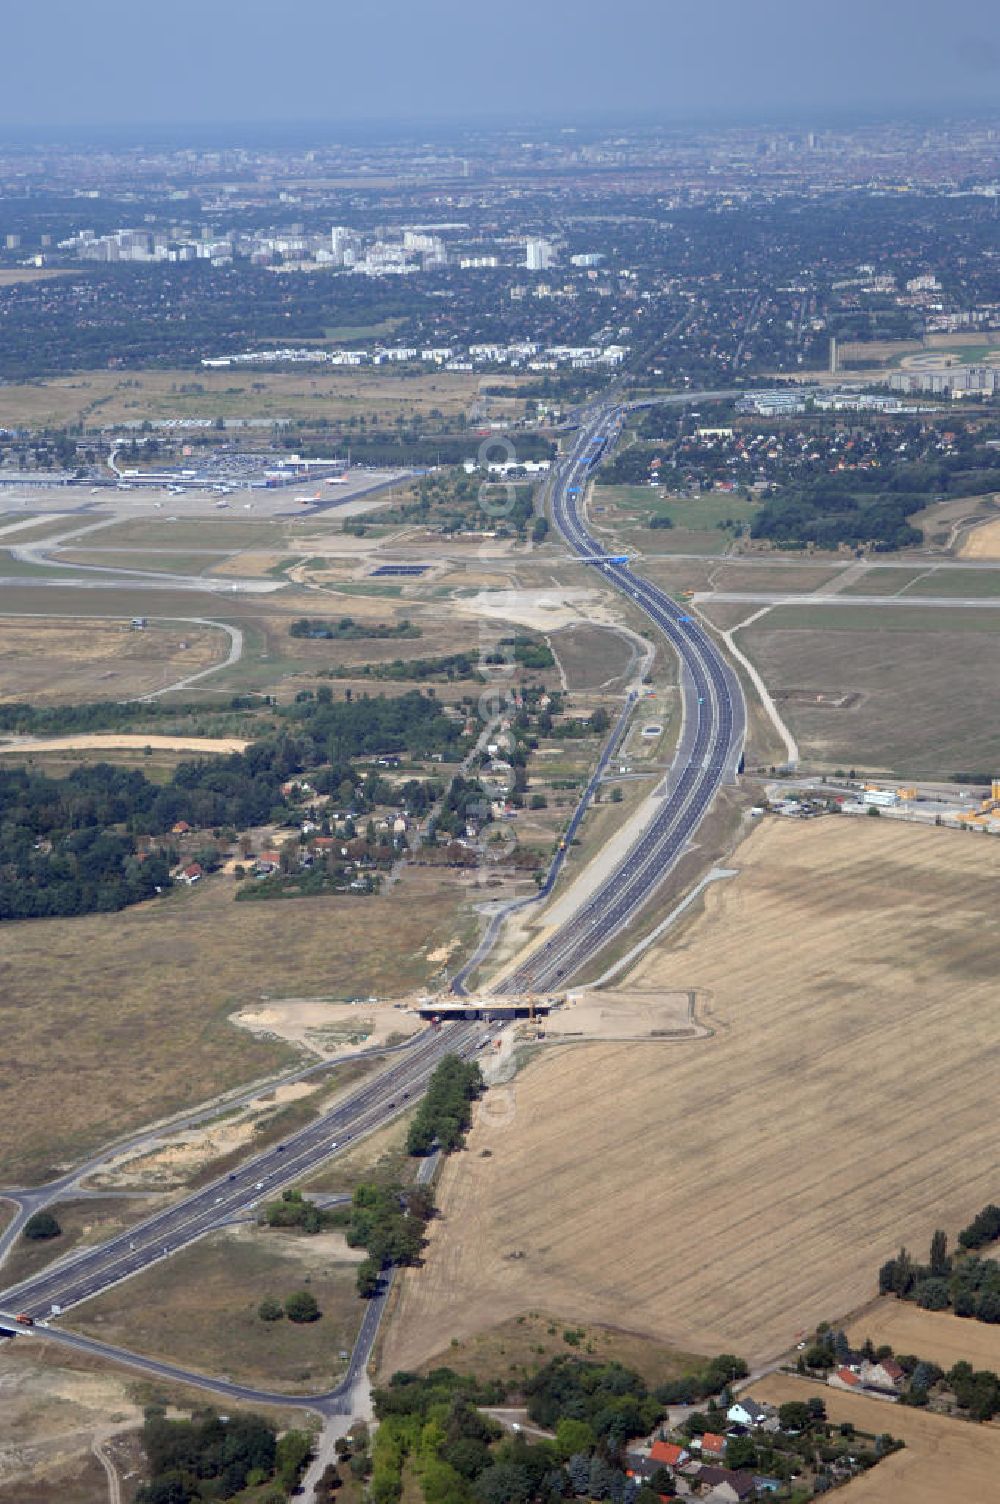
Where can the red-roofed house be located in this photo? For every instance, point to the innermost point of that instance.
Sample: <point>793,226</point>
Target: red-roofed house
<point>713,1445</point>
<point>844,1378</point>
<point>180,829</point>
<point>191,874</point>
<point>667,1454</point>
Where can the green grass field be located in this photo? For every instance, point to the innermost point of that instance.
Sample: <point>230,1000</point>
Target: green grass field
<point>878,621</point>
<point>965,583</point>
<point>882,582</point>
<point>918,689</point>
<point>19,568</point>
<point>623,512</point>
<point>695,514</point>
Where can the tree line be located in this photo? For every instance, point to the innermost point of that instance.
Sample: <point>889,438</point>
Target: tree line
<point>965,1283</point>
<point>445,1111</point>
<point>349,630</point>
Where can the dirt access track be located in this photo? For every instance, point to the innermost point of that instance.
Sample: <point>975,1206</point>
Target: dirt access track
<point>727,1193</point>
<point>98,741</point>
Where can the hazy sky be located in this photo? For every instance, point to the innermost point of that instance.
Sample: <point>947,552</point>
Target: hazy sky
<point>110,62</point>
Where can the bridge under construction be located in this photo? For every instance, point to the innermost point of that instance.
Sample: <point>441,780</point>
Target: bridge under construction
<point>494,1007</point>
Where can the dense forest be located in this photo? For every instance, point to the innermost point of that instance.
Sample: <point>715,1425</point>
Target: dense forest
<point>217,1457</point>
<point>829,515</point>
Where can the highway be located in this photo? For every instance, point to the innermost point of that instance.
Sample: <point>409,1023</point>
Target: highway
<point>500,917</point>
<point>708,754</point>
<point>90,1271</point>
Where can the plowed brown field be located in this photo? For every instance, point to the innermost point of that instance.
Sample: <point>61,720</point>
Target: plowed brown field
<point>727,1193</point>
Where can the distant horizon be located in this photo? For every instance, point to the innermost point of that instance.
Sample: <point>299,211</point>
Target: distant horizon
<point>445,128</point>
<point>110,65</point>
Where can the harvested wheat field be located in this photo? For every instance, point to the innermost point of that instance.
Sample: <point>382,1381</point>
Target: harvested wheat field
<point>944,1460</point>
<point>726,1193</point>
<point>982,542</point>
<point>56,660</point>
<point>936,1335</point>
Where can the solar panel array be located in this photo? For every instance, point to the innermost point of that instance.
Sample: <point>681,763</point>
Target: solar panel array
<point>401,569</point>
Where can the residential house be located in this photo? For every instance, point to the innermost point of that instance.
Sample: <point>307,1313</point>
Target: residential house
<point>191,875</point>
<point>181,828</point>
<point>746,1412</point>
<point>668,1454</point>
<point>267,862</point>
<point>727,1485</point>
<point>640,1466</point>
<point>886,1376</point>
<point>713,1445</point>
<point>845,1378</point>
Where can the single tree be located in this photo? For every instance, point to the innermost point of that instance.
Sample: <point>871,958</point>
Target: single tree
<point>41,1226</point>
<point>301,1307</point>
<point>368,1279</point>
<point>940,1262</point>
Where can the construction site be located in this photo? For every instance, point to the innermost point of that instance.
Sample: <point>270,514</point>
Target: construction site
<point>968,811</point>
<point>492,1007</point>
<point>950,805</point>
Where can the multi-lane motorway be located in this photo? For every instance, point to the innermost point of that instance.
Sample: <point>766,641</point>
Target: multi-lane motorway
<point>709,751</point>
<point>90,1271</point>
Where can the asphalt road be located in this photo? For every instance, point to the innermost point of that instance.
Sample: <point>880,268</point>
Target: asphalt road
<point>816,598</point>
<point>709,752</point>
<point>499,919</point>
<point>35,1198</point>
<point>90,1271</point>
